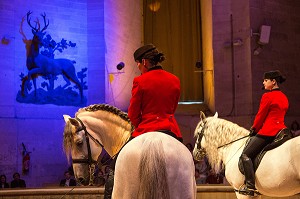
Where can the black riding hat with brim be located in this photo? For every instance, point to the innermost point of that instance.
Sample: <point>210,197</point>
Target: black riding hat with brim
<point>276,74</point>
<point>140,52</point>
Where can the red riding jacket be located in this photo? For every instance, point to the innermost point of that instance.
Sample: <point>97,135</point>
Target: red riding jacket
<point>155,96</point>
<point>270,117</point>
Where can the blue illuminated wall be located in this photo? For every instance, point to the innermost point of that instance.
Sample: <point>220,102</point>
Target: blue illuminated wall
<point>101,42</point>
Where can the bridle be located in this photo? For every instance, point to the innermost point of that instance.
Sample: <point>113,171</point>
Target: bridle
<point>200,151</point>
<point>89,160</point>
<point>200,136</point>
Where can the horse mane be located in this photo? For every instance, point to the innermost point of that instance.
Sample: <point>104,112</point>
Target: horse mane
<point>219,132</point>
<point>107,108</point>
<point>153,173</point>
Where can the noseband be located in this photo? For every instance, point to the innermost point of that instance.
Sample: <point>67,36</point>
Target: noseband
<point>89,160</point>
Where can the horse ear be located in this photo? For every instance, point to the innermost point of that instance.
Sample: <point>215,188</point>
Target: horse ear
<point>66,118</point>
<point>216,115</point>
<point>202,116</point>
<point>72,120</point>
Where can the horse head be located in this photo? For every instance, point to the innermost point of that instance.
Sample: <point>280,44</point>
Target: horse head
<point>84,152</point>
<point>95,127</point>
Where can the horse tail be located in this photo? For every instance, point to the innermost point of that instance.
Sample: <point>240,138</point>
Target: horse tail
<point>153,172</point>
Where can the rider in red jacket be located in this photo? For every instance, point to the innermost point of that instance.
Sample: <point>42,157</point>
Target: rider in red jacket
<point>270,117</point>
<point>155,95</point>
<point>268,122</point>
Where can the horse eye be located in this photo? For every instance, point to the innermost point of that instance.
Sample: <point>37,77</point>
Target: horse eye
<point>79,143</point>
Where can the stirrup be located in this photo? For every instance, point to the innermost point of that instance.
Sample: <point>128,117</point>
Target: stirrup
<point>244,190</point>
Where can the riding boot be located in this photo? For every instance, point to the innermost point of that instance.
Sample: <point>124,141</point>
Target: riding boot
<point>109,184</point>
<point>249,188</point>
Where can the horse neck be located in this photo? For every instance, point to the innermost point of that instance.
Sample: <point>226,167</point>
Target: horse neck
<point>118,136</point>
<point>232,152</point>
<point>111,135</point>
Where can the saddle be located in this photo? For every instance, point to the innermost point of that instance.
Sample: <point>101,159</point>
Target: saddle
<point>283,136</point>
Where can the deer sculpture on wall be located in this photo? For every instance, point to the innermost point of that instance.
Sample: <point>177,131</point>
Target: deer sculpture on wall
<point>41,65</point>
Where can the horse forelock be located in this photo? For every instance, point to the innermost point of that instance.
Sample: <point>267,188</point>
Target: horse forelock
<point>217,133</point>
<point>68,139</point>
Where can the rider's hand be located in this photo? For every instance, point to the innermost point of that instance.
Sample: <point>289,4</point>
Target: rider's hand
<point>252,132</point>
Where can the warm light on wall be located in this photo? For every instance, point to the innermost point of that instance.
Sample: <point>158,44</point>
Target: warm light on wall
<point>155,6</point>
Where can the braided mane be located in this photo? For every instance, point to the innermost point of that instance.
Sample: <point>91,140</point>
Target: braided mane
<point>107,108</point>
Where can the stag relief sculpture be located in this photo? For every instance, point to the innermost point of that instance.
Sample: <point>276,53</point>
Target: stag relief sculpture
<point>41,65</point>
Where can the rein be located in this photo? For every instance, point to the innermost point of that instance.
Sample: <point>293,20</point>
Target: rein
<point>87,133</point>
<point>233,141</point>
<point>201,134</point>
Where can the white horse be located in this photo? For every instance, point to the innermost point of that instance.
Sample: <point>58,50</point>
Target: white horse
<point>278,173</point>
<point>152,165</point>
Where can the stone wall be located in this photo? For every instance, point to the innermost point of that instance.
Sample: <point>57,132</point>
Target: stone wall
<point>100,37</point>
<point>282,52</point>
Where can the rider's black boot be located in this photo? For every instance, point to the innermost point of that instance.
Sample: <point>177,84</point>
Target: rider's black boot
<point>109,184</point>
<point>249,188</point>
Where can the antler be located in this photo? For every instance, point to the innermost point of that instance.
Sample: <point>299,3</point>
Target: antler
<point>28,21</point>
<point>21,29</point>
<point>46,24</point>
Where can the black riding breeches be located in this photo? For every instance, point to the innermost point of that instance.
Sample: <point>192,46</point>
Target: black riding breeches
<point>256,144</point>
